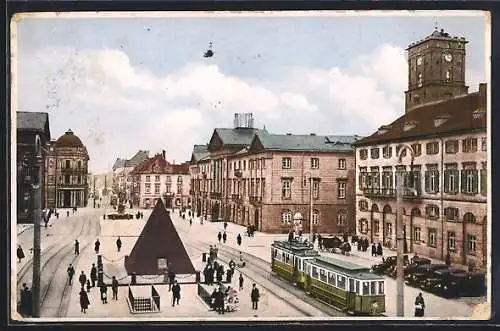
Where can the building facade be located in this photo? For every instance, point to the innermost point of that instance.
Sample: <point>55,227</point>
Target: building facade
<point>122,181</point>
<point>268,180</point>
<point>157,178</point>
<point>67,172</point>
<point>444,208</point>
<point>28,126</point>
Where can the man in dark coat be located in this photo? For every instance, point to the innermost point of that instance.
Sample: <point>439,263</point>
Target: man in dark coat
<point>224,237</point>
<point>71,273</point>
<point>374,250</point>
<point>93,274</point>
<point>419,305</point>
<point>84,301</point>
<point>114,287</point>
<point>448,258</point>
<point>77,247</point>
<point>290,236</point>
<point>82,279</point>
<point>219,236</point>
<point>67,213</point>
<point>20,253</point>
<point>176,293</point>
<point>320,241</point>
<point>379,250</point>
<point>241,281</point>
<point>119,244</point>
<point>104,293</point>
<point>314,237</point>
<point>171,278</point>
<point>96,246</point>
<point>225,226</point>
<point>219,301</point>
<point>255,295</point>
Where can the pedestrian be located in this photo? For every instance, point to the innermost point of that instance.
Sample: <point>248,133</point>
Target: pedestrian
<point>219,301</point>
<point>88,285</point>
<point>320,241</point>
<point>82,279</point>
<point>118,244</point>
<point>77,247</point>
<point>359,246</point>
<point>219,236</point>
<point>314,237</point>
<point>57,215</point>
<point>190,222</point>
<point>114,287</point>
<point>23,305</point>
<point>20,253</point>
<point>67,213</point>
<point>171,279</point>
<point>216,251</point>
<point>374,250</point>
<point>96,246</point>
<point>224,237</point>
<point>448,258</point>
<point>104,293</point>
<point>84,301</point>
<point>93,274</point>
<point>290,236</point>
<point>176,293</point>
<point>374,308</point>
<point>419,305</point>
<point>238,239</point>
<point>241,282</point>
<point>71,273</point>
<point>379,250</point>
<point>28,300</point>
<point>255,295</point>
<point>225,226</point>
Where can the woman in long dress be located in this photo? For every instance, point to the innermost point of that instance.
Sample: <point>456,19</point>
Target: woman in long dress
<point>84,301</point>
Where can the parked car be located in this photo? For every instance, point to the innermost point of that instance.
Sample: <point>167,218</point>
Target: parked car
<point>388,265</point>
<point>415,262</point>
<point>459,283</point>
<point>420,274</point>
<point>440,276</point>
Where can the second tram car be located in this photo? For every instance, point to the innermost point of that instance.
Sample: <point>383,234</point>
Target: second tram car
<point>288,257</point>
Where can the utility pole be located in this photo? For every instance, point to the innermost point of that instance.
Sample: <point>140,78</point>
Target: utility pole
<point>93,179</point>
<point>37,190</point>
<point>311,210</point>
<point>400,243</point>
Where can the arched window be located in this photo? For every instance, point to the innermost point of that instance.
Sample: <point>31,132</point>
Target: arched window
<point>363,225</point>
<point>375,208</point>
<point>342,217</point>
<point>315,217</point>
<point>416,212</point>
<point>363,205</point>
<point>387,209</point>
<point>469,218</point>
<point>286,217</point>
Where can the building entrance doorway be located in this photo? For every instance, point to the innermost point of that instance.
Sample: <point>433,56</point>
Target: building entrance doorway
<point>256,219</point>
<point>67,199</point>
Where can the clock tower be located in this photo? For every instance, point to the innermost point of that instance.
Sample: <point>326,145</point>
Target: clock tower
<point>436,69</point>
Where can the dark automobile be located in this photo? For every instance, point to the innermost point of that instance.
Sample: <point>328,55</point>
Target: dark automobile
<point>459,283</point>
<point>420,274</point>
<point>415,263</point>
<point>440,276</point>
<point>388,265</point>
<point>331,243</point>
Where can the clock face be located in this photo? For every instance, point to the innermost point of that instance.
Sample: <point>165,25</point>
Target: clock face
<point>419,60</point>
<point>448,57</point>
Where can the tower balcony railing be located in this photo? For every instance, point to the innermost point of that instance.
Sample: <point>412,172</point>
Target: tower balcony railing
<point>390,193</point>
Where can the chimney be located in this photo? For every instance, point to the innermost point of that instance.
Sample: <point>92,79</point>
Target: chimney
<point>163,154</point>
<point>482,96</point>
<point>288,134</point>
<point>312,134</point>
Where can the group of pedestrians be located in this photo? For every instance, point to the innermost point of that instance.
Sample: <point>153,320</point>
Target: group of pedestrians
<point>377,250</point>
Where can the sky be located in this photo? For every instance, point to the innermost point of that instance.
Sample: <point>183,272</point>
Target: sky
<point>124,84</point>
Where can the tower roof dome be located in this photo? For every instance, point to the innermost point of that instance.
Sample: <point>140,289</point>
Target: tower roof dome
<point>69,139</point>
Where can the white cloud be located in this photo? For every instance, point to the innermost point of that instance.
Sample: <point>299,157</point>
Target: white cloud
<point>117,109</point>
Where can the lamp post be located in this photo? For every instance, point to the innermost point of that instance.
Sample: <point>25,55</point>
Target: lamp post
<point>400,232</point>
<point>37,188</point>
<point>311,206</point>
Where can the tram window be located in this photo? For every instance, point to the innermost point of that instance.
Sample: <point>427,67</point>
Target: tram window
<point>366,288</point>
<point>287,258</point>
<point>351,285</point>
<point>357,287</point>
<point>381,287</point>
<point>373,288</point>
<point>322,275</point>
<point>275,252</point>
<point>315,272</point>
<point>332,278</point>
<point>341,282</point>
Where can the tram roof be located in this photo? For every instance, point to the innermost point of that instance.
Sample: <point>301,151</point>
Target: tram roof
<point>349,268</point>
<point>295,247</point>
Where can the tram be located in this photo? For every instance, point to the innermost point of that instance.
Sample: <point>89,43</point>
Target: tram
<point>349,287</point>
<point>288,257</point>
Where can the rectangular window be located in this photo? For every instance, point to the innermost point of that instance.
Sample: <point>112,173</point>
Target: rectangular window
<point>148,178</point>
<point>452,241</point>
<point>286,163</point>
<point>68,164</point>
<point>451,179</point>
<point>168,187</point>
<point>341,282</point>
<point>315,189</point>
<point>417,149</point>
<point>363,154</point>
<point>451,213</point>
<point>484,143</point>
<point>469,181</point>
<point>342,164</point>
<point>374,153</point>
<point>389,229</point>
<point>148,188</point>
<point>471,244</point>
<point>432,211</point>
<point>157,178</point>
<point>469,145</point>
<point>403,153</point>
<point>387,152</point>
<point>451,146</point>
<point>366,288</point>
<point>432,148</point>
<point>314,163</point>
<point>376,227</point>
<point>484,182</point>
<point>157,188</point>
<point>432,181</point>
<point>286,192</point>
<point>341,190</point>
<point>332,279</point>
<point>416,234</point>
<point>432,240</point>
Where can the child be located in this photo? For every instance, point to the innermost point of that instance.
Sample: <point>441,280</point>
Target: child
<point>88,285</point>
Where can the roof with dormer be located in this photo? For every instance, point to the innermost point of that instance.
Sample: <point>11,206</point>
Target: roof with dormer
<point>302,143</point>
<point>138,158</point>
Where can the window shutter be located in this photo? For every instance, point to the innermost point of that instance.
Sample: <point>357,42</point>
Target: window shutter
<point>438,181</point>
<point>457,175</point>
<point>483,182</point>
<point>463,180</point>
<point>427,181</point>
<point>476,182</point>
<point>446,181</point>
<point>361,181</point>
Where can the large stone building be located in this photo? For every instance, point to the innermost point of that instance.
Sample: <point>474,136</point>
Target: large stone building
<point>157,178</point>
<point>250,177</point>
<point>28,126</point>
<point>122,181</point>
<point>67,172</point>
<point>445,188</point>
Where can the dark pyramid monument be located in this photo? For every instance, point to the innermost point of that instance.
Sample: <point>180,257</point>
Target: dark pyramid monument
<point>158,241</point>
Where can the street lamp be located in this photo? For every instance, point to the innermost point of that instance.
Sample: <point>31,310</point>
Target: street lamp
<point>311,204</point>
<point>400,231</point>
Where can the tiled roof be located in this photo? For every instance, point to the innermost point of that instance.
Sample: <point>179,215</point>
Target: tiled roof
<point>199,152</point>
<point>32,121</point>
<point>158,239</point>
<point>138,158</point>
<point>164,167</point>
<point>119,163</point>
<point>309,143</point>
<point>452,116</point>
<point>238,136</point>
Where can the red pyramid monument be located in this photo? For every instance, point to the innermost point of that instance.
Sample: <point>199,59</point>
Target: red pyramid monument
<point>158,246</point>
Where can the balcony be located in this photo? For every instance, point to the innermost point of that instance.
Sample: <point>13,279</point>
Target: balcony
<point>238,172</point>
<point>255,200</point>
<point>412,194</point>
<point>384,193</point>
<point>237,198</point>
<point>216,195</point>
